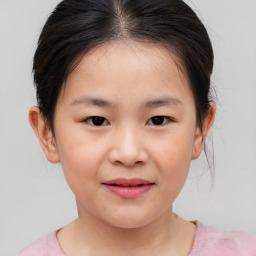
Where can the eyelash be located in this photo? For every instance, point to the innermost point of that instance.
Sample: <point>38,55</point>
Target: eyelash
<point>89,120</point>
<point>103,121</point>
<point>165,120</point>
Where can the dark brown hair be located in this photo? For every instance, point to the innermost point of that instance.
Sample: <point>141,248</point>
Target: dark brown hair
<point>77,26</point>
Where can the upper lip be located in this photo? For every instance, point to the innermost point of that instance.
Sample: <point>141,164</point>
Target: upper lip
<point>128,182</point>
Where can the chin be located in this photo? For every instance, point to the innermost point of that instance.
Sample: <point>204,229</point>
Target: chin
<point>129,220</point>
<point>129,224</point>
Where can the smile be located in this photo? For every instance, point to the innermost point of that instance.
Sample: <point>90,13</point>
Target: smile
<point>128,188</point>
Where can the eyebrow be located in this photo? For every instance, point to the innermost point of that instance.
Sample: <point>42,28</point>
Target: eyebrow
<point>91,101</point>
<point>165,101</point>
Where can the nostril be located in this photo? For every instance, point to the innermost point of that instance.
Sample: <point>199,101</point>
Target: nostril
<point>129,164</point>
<point>138,163</point>
<point>118,163</point>
<point>128,156</point>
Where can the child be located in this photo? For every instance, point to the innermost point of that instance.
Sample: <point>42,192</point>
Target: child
<point>123,89</point>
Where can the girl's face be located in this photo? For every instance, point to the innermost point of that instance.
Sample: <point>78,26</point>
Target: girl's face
<point>125,133</point>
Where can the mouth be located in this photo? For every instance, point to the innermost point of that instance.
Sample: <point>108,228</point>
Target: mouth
<point>128,188</point>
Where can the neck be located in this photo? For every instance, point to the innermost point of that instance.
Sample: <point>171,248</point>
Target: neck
<point>130,240</point>
<point>92,236</point>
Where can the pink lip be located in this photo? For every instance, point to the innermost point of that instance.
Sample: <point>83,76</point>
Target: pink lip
<point>128,188</point>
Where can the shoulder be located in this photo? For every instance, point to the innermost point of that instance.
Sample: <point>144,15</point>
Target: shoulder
<point>216,242</point>
<point>46,246</point>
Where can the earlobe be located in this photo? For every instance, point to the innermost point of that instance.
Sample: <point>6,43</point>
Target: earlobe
<point>201,133</point>
<point>44,135</point>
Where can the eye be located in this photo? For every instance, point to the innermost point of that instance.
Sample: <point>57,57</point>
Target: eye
<point>96,121</point>
<point>158,120</point>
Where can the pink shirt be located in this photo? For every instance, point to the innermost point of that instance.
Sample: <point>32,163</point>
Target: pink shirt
<point>208,242</point>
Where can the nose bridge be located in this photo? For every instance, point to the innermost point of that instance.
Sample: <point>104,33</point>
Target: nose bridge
<point>128,148</point>
<point>129,139</point>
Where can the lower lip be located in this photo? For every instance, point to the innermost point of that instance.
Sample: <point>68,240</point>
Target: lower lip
<point>129,192</point>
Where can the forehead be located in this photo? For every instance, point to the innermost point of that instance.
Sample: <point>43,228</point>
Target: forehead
<point>126,67</point>
<point>130,54</point>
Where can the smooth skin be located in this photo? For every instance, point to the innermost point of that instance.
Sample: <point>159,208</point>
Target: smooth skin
<point>147,129</point>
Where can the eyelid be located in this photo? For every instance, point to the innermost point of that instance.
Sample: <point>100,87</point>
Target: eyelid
<point>88,120</point>
<point>166,121</point>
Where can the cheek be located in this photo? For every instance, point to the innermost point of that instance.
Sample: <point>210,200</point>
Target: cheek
<point>174,149</point>
<point>175,165</point>
<point>81,163</point>
<point>173,157</point>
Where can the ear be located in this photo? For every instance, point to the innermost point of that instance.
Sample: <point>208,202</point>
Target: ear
<point>201,133</point>
<point>44,135</point>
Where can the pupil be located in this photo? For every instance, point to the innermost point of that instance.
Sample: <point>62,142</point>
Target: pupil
<point>97,120</point>
<point>157,120</point>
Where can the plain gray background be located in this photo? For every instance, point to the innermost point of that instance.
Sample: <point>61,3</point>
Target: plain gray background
<point>34,198</point>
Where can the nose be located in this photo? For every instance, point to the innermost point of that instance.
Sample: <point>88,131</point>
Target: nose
<point>128,149</point>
